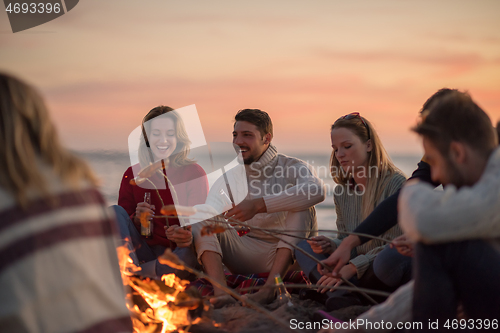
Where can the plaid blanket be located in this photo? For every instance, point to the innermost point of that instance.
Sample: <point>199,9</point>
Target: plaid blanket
<point>237,282</point>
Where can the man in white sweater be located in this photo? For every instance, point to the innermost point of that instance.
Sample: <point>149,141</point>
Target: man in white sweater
<point>282,192</point>
<point>457,231</point>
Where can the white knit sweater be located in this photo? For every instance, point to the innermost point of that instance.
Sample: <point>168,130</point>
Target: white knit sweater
<point>285,183</point>
<point>451,215</point>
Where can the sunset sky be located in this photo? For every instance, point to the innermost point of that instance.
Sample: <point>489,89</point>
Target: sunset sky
<point>105,64</point>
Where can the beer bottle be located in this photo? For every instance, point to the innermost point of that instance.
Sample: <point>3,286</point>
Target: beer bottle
<point>283,296</point>
<point>147,230</point>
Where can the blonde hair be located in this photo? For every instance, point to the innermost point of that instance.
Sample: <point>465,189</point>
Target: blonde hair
<point>28,136</point>
<point>180,155</point>
<point>380,167</point>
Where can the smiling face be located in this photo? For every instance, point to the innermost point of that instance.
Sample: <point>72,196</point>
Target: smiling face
<point>349,151</point>
<point>247,136</point>
<point>162,137</point>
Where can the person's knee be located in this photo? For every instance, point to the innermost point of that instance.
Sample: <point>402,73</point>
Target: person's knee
<point>187,255</point>
<point>120,212</point>
<point>383,260</point>
<point>123,221</point>
<point>391,267</point>
<point>304,245</point>
<point>304,260</point>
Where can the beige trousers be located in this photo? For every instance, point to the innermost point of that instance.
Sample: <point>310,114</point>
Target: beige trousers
<point>252,254</point>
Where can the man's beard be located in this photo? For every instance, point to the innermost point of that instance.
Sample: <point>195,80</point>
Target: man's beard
<point>249,160</point>
<point>454,175</point>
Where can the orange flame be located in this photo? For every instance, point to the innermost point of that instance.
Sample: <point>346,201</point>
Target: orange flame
<point>168,304</point>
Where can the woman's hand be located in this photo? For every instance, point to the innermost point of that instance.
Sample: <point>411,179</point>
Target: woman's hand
<point>141,208</point>
<point>403,246</point>
<point>329,283</point>
<point>340,257</point>
<point>183,237</point>
<point>321,244</point>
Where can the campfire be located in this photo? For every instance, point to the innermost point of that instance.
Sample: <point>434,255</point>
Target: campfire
<point>159,306</point>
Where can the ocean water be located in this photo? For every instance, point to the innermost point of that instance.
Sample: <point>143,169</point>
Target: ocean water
<point>109,166</point>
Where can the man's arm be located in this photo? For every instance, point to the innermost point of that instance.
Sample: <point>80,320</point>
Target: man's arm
<point>430,216</point>
<point>308,191</point>
<point>453,215</point>
<point>385,215</point>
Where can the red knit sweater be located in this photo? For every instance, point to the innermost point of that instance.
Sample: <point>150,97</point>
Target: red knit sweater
<point>189,181</point>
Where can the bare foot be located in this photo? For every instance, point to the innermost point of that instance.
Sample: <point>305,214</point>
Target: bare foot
<point>263,296</point>
<point>220,301</point>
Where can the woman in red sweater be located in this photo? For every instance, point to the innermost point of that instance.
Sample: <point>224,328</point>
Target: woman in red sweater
<point>163,138</point>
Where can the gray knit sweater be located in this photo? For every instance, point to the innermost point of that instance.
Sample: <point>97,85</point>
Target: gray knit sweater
<point>348,206</point>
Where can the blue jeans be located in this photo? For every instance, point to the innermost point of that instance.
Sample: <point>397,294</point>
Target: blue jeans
<point>446,274</point>
<point>392,268</point>
<point>308,266</point>
<point>144,255</point>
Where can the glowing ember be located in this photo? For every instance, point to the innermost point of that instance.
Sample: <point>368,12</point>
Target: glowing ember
<point>153,304</point>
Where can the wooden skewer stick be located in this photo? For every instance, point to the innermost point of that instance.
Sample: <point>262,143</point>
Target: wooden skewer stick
<point>313,286</point>
<point>325,266</point>
<point>272,232</point>
<point>283,232</point>
<point>159,196</point>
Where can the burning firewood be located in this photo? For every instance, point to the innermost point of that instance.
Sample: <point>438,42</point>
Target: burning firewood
<point>190,300</point>
<point>159,306</point>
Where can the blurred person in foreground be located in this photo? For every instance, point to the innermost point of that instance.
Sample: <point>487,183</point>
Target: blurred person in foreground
<point>58,264</point>
<point>456,231</point>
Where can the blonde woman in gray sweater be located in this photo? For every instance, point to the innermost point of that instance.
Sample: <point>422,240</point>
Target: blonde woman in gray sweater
<point>365,176</point>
